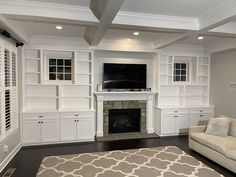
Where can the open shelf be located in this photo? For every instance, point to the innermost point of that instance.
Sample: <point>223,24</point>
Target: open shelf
<point>180,94</point>
<point>43,95</point>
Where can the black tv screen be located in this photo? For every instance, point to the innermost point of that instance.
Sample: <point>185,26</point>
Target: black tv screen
<point>124,76</point>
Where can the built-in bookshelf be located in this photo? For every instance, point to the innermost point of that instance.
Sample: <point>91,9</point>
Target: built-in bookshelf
<point>43,94</point>
<point>190,93</point>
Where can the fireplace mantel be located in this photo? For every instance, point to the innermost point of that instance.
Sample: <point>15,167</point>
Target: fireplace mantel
<point>119,96</point>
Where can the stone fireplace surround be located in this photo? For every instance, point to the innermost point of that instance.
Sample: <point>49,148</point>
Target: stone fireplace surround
<point>143,96</point>
<point>132,104</point>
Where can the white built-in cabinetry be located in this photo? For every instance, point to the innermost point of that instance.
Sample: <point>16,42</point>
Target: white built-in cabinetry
<point>57,110</point>
<point>182,104</point>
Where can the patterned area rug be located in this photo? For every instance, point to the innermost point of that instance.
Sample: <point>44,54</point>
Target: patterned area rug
<point>166,161</point>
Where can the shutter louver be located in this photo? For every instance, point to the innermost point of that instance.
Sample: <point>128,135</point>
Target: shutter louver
<point>1,92</point>
<point>7,67</point>
<point>7,110</point>
<point>13,69</point>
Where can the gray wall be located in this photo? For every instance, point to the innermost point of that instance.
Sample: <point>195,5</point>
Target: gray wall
<point>223,71</point>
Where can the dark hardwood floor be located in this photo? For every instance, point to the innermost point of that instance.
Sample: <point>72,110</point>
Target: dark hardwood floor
<point>28,159</point>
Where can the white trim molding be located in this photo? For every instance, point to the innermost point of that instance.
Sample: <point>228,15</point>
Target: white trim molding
<point>156,21</point>
<point>10,157</point>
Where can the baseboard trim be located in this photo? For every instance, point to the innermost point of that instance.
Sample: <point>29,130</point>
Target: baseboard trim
<point>9,157</point>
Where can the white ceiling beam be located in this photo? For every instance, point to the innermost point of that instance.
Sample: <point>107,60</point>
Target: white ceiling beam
<point>105,11</point>
<point>156,21</point>
<point>16,30</point>
<point>169,40</point>
<point>48,11</point>
<point>217,17</point>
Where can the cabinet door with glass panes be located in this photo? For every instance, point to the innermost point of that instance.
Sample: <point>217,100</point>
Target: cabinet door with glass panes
<point>60,69</point>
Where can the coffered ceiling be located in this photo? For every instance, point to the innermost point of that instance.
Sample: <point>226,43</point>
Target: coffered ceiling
<point>160,22</point>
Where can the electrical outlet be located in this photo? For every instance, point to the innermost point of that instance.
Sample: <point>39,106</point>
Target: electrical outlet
<point>5,148</point>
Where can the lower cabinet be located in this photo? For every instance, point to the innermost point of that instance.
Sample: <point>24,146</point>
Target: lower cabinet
<point>76,129</point>
<point>177,121</point>
<point>40,131</point>
<point>58,127</point>
<point>168,124</point>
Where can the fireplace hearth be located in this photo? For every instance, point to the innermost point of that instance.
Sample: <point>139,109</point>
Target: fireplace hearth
<point>124,120</point>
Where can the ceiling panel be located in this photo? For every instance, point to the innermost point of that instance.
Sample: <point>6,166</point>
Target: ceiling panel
<point>144,36</point>
<point>66,2</point>
<point>184,8</point>
<point>44,28</point>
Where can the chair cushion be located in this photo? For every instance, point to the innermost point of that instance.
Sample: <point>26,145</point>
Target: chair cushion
<point>218,126</point>
<point>217,143</point>
<point>231,154</point>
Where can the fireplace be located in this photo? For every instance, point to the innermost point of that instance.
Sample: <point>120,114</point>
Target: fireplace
<point>113,107</point>
<point>124,120</point>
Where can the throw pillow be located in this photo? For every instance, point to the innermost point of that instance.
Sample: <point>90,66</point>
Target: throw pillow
<point>218,126</point>
<point>232,128</point>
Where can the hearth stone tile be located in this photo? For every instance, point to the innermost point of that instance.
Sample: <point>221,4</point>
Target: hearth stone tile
<point>116,136</point>
<point>123,135</point>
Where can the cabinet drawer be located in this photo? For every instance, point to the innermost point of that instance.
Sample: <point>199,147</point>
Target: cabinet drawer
<point>41,116</point>
<point>174,111</point>
<point>76,115</point>
<point>201,111</point>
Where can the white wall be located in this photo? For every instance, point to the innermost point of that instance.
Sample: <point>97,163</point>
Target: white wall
<point>223,71</point>
<point>101,57</point>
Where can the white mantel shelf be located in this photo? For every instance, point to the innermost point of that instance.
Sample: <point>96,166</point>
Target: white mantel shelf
<point>125,96</point>
<point>112,96</point>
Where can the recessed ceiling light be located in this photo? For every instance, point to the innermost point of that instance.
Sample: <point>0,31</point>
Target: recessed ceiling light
<point>136,33</point>
<point>200,37</point>
<point>129,39</point>
<point>59,27</point>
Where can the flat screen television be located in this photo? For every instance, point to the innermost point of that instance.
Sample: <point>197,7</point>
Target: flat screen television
<point>124,76</point>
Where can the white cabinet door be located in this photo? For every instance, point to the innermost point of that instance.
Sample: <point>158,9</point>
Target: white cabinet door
<point>182,123</point>
<point>168,124</point>
<point>84,129</point>
<point>68,129</point>
<point>194,119</point>
<point>31,131</point>
<point>205,116</point>
<point>49,130</point>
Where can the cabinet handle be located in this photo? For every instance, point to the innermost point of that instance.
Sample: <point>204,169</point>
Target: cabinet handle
<point>201,115</point>
<point>201,110</point>
<point>40,116</point>
<point>176,116</point>
<point>76,115</point>
<point>175,111</point>
<point>75,120</point>
<point>39,122</point>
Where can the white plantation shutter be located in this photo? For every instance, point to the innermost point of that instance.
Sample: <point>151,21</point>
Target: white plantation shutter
<point>8,89</point>
<point>14,96</point>
<point>1,92</point>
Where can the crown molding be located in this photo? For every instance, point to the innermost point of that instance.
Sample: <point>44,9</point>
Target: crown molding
<point>157,21</point>
<point>218,16</point>
<point>47,10</point>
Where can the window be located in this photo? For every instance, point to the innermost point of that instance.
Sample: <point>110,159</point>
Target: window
<point>59,69</point>
<point>181,72</point>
